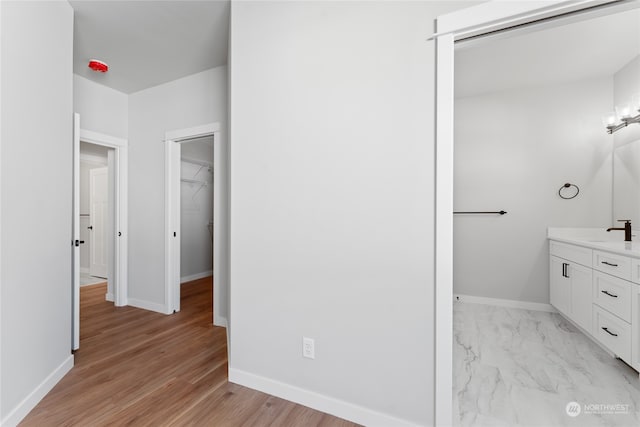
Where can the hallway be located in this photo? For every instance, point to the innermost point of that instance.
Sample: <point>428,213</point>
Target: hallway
<point>136,367</point>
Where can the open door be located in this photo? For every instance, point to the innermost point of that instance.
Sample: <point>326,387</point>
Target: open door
<point>76,235</point>
<point>173,224</point>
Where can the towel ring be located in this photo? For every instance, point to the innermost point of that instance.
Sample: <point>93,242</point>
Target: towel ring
<point>568,185</point>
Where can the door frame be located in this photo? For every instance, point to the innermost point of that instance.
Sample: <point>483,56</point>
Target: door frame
<point>117,274</point>
<point>469,22</point>
<point>173,139</point>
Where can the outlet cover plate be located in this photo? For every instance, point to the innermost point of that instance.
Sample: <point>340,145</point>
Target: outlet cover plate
<point>308,348</point>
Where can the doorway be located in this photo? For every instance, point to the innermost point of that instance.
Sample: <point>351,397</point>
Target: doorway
<point>189,166</point>
<point>95,204</point>
<point>111,250</point>
<point>480,20</point>
<point>196,209</point>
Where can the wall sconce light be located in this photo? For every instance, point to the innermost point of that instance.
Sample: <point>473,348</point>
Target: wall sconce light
<point>624,115</point>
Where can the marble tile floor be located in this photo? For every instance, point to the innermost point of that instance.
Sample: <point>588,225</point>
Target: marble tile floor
<point>86,279</point>
<point>514,367</point>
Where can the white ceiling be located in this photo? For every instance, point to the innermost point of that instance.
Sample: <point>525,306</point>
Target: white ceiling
<point>147,43</point>
<point>581,50</point>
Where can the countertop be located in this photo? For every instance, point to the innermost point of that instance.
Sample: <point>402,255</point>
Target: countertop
<point>597,238</point>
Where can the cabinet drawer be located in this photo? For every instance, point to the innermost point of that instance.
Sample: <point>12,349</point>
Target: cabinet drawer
<point>613,332</point>
<point>616,265</point>
<point>612,294</point>
<point>577,254</point>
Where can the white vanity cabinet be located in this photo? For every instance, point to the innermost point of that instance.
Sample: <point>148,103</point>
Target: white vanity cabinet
<point>600,292</point>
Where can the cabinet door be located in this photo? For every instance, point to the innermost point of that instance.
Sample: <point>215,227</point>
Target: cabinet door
<point>635,327</point>
<point>560,285</point>
<point>581,291</point>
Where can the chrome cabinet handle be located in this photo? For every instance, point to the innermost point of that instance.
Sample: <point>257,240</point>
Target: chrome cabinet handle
<point>611,295</point>
<point>609,332</point>
<point>608,263</point>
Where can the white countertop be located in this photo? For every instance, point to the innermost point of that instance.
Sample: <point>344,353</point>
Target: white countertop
<point>597,238</point>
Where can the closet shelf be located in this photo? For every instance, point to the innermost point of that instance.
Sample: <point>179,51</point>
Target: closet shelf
<point>193,181</point>
<point>197,162</point>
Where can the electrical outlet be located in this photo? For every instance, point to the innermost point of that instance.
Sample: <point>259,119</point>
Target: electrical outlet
<point>308,348</point>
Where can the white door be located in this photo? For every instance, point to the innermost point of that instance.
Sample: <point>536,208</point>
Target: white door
<point>75,279</point>
<point>174,277</point>
<point>98,211</point>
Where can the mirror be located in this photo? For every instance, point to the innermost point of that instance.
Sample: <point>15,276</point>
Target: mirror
<point>626,183</point>
<point>626,153</point>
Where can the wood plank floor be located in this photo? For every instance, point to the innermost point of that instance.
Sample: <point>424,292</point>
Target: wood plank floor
<point>139,368</point>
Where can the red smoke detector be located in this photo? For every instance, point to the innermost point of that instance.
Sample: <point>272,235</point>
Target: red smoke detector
<point>98,66</point>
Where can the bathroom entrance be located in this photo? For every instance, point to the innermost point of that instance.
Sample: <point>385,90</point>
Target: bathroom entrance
<point>531,152</point>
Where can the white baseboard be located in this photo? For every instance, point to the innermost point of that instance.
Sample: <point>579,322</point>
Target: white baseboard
<point>526,305</point>
<point>28,403</point>
<point>320,402</point>
<point>109,296</point>
<point>196,276</point>
<point>220,321</point>
<point>147,305</point>
<point>84,270</point>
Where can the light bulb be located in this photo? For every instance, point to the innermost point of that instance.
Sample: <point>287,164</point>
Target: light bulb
<point>609,120</point>
<point>623,111</point>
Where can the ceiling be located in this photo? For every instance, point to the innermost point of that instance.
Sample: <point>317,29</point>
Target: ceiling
<point>147,43</point>
<point>581,50</point>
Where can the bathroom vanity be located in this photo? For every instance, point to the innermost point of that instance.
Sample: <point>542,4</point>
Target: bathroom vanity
<point>595,283</point>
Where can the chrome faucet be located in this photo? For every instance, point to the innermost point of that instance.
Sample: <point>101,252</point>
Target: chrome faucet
<point>626,228</point>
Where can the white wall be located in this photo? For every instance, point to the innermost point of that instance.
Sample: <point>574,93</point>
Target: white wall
<point>101,109</point>
<point>513,151</point>
<point>196,210</point>
<point>35,338</point>
<point>191,101</point>
<point>332,166</point>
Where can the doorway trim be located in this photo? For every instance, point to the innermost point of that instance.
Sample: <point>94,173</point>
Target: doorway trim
<point>173,139</point>
<point>469,22</point>
<point>120,209</point>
